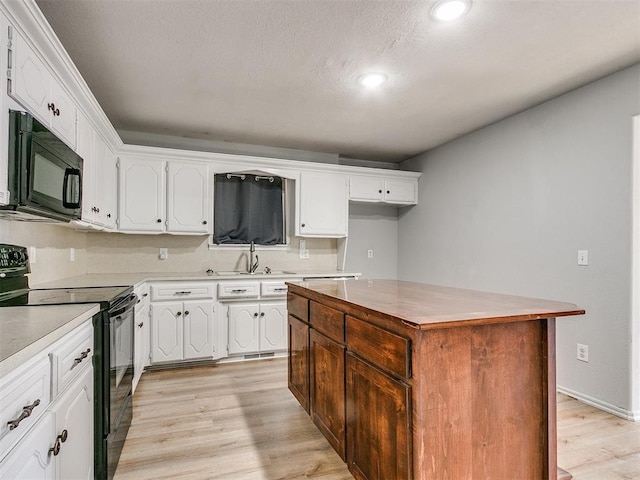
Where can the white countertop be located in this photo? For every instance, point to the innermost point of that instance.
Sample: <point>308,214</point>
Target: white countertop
<point>136,279</point>
<point>26,331</point>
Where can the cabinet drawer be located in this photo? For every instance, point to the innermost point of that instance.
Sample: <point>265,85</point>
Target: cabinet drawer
<point>27,388</point>
<point>327,320</point>
<point>298,306</point>
<point>69,356</point>
<point>384,349</point>
<point>238,290</point>
<point>182,291</point>
<point>273,289</point>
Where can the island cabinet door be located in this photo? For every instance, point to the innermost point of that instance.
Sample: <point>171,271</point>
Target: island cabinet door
<point>378,423</point>
<point>327,390</point>
<point>298,368</point>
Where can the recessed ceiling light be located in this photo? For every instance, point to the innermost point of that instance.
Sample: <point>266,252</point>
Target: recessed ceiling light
<point>447,10</point>
<point>373,79</point>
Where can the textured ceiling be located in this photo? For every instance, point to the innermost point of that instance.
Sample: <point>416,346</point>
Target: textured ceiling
<point>283,73</point>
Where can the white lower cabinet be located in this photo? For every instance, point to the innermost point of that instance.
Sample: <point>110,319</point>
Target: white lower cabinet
<point>59,444</point>
<point>257,327</point>
<point>182,331</point>
<point>30,459</point>
<point>142,334</point>
<point>74,424</point>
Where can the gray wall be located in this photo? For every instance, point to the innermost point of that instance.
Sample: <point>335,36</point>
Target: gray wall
<point>506,208</point>
<point>373,227</point>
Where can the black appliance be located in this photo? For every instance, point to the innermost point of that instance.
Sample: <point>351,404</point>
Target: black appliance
<point>44,175</point>
<point>113,348</point>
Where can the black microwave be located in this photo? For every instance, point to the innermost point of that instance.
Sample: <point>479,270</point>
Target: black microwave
<point>45,175</point>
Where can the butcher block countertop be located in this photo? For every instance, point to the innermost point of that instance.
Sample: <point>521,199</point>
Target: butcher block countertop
<point>425,306</point>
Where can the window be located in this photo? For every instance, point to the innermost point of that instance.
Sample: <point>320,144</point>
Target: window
<point>249,208</point>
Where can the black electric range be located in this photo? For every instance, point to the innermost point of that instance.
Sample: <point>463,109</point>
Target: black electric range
<point>113,348</point>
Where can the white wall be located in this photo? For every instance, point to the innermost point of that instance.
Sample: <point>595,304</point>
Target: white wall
<point>373,227</point>
<point>507,207</point>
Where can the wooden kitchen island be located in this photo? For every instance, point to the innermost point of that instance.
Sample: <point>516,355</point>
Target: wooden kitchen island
<point>414,381</point>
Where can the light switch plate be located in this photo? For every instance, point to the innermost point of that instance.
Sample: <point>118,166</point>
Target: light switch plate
<point>583,257</point>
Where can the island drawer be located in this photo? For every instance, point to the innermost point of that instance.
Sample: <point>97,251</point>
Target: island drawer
<point>298,306</point>
<point>327,320</point>
<point>24,396</point>
<point>382,348</point>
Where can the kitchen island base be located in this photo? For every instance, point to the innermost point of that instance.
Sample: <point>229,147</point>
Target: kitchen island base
<point>427,382</point>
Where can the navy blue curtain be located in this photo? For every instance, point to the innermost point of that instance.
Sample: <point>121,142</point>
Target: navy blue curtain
<point>248,210</point>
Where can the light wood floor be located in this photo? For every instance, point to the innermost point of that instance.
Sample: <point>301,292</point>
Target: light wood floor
<point>239,422</point>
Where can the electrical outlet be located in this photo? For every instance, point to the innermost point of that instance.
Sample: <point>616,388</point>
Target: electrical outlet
<point>72,254</point>
<point>583,257</point>
<point>32,255</point>
<point>304,253</point>
<point>582,352</point>
<point>369,253</point>
<point>164,253</point>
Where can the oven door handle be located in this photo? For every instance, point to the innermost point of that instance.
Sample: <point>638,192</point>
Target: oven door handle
<point>131,303</point>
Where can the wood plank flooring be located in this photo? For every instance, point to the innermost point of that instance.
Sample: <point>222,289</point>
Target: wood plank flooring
<point>240,422</point>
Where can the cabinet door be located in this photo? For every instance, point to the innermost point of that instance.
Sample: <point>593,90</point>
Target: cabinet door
<point>401,191</point>
<point>74,414</point>
<point>243,328</point>
<point>64,115</point>
<point>30,459</point>
<point>273,327</point>
<point>379,423</point>
<point>85,148</point>
<point>31,80</point>
<point>166,332</point>
<point>366,189</point>
<point>327,390</point>
<point>324,201</point>
<point>141,196</point>
<point>188,202</point>
<point>198,330</point>
<point>298,367</point>
<point>106,184</point>
<point>141,344</point>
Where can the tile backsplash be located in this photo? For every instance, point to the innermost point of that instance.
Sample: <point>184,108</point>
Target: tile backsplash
<point>97,252</point>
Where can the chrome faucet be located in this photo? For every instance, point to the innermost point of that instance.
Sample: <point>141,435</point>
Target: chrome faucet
<point>252,266</point>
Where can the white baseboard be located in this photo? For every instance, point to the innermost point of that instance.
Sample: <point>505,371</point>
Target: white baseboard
<point>605,406</point>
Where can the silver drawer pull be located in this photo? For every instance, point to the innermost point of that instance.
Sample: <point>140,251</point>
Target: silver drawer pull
<point>239,290</point>
<point>284,289</point>
<point>78,360</point>
<point>186,292</point>
<point>26,412</point>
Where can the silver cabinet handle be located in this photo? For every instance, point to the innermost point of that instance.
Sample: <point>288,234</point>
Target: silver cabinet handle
<point>186,292</point>
<point>284,289</point>
<point>239,290</point>
<point>79,359</point>
<point>26,412</point>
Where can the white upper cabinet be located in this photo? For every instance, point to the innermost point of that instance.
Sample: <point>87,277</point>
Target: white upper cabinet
<point>33,86</point>
<point>188,202</point>
<point>164,196</point>
<point>99,177</point>
<point>141,192</point>
<point>323,205</point>
<point>364,188</point>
